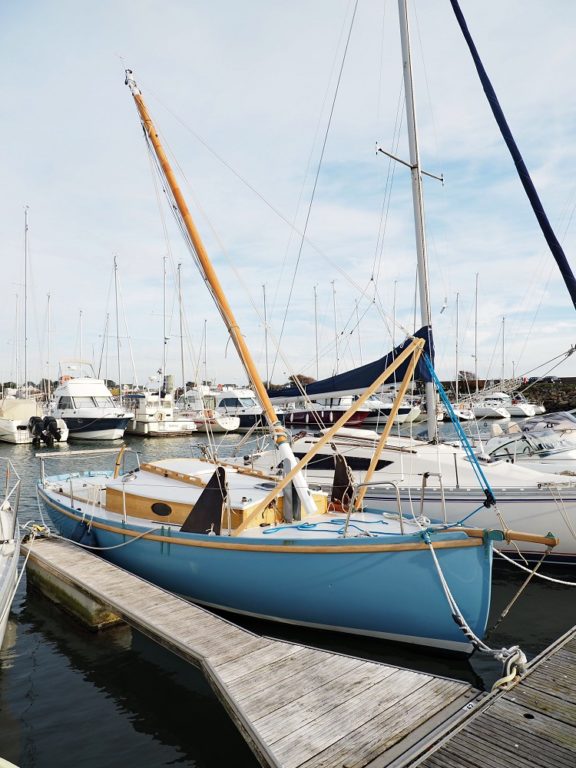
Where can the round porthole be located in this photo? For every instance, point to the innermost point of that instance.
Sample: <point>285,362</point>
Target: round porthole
<point>160,509</point>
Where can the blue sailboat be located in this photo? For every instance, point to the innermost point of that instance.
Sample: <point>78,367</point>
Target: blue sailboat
<point>236,539</point>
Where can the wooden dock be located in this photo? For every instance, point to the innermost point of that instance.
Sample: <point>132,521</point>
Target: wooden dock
<point>532,725</point>
<point>295,705</point>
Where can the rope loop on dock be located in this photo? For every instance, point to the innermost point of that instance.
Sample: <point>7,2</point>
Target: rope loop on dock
<point>514,661</point>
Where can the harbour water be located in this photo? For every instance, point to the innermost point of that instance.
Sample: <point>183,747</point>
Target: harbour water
<point>69,697</point>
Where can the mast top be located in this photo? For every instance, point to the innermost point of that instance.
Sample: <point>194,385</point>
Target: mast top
<point>131,83</point>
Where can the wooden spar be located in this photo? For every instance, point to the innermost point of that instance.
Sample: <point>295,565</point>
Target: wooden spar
<point>278,431</point>
<point>388,426</point>
<point>206,265</point>
<point>416,345</point>
<point>548,540</point>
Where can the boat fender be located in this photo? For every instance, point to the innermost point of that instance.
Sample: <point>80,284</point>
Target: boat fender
<point>83,534</point>
<point>159,416</point>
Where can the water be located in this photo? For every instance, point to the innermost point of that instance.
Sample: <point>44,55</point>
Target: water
<point>69,697</point>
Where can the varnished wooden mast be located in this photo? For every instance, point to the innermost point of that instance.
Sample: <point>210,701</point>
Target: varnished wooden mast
<point>279,433</point>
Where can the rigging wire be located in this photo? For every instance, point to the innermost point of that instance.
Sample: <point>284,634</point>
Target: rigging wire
<point>317,175</point>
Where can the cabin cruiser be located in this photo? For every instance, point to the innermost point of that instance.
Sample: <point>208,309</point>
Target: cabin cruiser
<point>86,406</point>
<point>190,405</point>
<point>381,407</point>
<point>154,415</point>
<point>22,420</point>
<point>236,401</point>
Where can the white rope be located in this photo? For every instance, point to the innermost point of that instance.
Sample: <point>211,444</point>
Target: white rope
<point>538,575</point>
<point>513,658</point>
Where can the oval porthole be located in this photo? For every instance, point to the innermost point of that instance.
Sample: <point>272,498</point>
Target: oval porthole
<point>163,510</point>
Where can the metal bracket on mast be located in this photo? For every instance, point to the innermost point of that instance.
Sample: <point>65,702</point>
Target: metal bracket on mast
<point>412,167</point>
<point>131,83</point>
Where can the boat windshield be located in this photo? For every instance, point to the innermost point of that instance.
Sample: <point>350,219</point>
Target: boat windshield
<point>83,402</point>
<point>104,402</point>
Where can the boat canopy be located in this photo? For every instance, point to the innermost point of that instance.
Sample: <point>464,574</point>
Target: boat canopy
<point>358,379</point>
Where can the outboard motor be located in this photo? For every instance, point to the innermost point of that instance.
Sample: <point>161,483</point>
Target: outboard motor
<point>51,430</point>
<point>36,427</point>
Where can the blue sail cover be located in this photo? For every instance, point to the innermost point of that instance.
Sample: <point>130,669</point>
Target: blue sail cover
<point>530,189</point>
<point>358,379</point>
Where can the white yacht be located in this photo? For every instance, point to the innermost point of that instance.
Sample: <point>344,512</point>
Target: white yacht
<point>191,405</point>
<point>23,420</point>
<point>490,407</point>
<point>86,405</point>
<point>547,443</point>
<point>381,406</point>
<point>153,415</point>
<point>236,401</point>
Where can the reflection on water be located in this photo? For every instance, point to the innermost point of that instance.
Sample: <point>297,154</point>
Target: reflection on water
<point>69,697</point>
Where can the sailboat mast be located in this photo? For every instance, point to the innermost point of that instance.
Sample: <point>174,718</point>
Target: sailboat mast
<point>266,335</point>
<point>418,204</point>
<point>25,299</point>
<point>457,334</point>
<point>117,326</point>
<point>476,333</point>
<point>181,329</point>
<point>48,379</point>
<point>163,381</point>
<point>279,433</point>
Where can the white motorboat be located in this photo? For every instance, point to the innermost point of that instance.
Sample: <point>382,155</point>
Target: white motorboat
<point>86,405</point>
<point>381,407</point>
<point>236,401</point>
<point>190,405</point>
<point>9,543</point>
<point>154,415</point>
<point>489,407</point>
<point>547,444</point>
<point>23,420</point>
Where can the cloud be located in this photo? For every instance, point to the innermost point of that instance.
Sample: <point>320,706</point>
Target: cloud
<point>253,86</point>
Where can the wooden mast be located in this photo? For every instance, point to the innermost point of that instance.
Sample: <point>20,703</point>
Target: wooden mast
<point>278,432</point>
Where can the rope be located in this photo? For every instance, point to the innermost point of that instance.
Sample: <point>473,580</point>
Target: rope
<point>517,595</point>
<point>513,658</point>
<point>48,532</point>
<point>538,575</point>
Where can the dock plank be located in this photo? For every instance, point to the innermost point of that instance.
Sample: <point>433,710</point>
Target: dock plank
<point>532,724</point>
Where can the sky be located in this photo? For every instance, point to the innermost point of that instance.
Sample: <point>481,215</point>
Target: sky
<point>271,112</point>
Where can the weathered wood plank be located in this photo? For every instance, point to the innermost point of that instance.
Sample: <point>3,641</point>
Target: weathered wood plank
<point>316,734</point>
<point>387,728</point>
<point>317,697</point>
<point>231,671</point>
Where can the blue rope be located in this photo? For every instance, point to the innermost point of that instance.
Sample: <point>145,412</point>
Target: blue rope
<point>481,477</point>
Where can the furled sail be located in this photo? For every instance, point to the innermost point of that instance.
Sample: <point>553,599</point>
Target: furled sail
<point>358,379</point>
<point>546,227</point>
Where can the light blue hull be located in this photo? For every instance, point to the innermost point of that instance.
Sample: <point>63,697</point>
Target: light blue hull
<point>396,595</point>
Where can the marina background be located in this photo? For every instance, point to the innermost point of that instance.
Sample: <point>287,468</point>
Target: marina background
<point>69,697</point>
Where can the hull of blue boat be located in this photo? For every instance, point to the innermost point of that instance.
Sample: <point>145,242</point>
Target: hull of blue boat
<point>395,595</point>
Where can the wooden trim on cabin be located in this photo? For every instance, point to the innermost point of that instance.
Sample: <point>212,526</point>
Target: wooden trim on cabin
<point>234,544</point>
